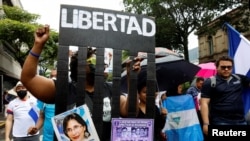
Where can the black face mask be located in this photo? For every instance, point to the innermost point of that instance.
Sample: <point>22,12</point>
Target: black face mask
<point>22,93</point>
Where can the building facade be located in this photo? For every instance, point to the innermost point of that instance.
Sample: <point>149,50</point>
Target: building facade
<point>213,46</point>
<point>10,69</point>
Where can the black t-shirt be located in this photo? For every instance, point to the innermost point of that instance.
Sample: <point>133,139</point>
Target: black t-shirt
<point>107,94</point>
<point>159,121</point>
<point>89,97</point>
<point>226,102</point>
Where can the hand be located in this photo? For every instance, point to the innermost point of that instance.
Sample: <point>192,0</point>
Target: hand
<point>32,130</point>
<point>163,136</point>
<point>136,64</point>
<point>42,35</point>
<point>205,129</point>
<point>164,111</point>
<point>7,139</point>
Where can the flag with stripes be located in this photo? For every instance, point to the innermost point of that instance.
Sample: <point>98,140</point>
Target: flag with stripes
<point>239,49</point>
<point>33,112</point>
<point>182,122</point>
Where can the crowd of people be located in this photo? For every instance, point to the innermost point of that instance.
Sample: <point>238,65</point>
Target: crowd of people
<point>215,105</point>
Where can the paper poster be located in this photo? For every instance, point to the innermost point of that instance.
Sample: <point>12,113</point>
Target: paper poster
<point>132,129</point>
<point>78,125</point>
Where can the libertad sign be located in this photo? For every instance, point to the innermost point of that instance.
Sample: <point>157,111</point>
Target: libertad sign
<point>83,19</point>
<point>101,27</point>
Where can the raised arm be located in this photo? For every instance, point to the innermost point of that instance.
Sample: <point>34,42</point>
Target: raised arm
<point>41,87</point>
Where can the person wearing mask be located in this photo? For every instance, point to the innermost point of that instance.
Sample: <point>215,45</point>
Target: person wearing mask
<point>222,104</point>
<point>21,115</point>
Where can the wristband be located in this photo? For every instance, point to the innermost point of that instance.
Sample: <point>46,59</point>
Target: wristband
<point>205,123</point>
<point>34,54</point>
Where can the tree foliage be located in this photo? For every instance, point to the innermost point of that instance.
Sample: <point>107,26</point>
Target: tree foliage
<point>177,19</point>
<point>17,29</point>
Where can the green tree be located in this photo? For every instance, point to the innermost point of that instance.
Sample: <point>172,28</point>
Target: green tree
<point>177,19</point>
<point>17,28</point>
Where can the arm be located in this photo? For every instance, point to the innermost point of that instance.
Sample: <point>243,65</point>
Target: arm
<point>123,106</point>
<point>8,126</point>
<point>205,114</point>
<point>39,124</point>
<point>124,99</point>
<point>41,87</point>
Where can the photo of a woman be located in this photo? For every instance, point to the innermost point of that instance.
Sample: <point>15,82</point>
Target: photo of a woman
<point>75,128</point>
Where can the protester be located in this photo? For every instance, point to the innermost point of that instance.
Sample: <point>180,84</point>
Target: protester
<point>181,115</point>
<point>195,91</point>
<point>175,90</point>
<point>5,102</point>
<point>75,128</point>
<point>47,111</point>
<point>222,104</point>
<point>160,113</point>
<point>7,97</point>
<point>21,116</point>
<point>44,88</point>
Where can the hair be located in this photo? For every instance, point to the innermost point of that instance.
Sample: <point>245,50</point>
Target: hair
<point>5,92</point>
<point>173,90</point>
<point>78,118</point>
<point>90,76</point>
<point>124,128</point>
<point>133,129</point>
<point>224,58</point>
<point>198,79</point>
<point>142,81</point>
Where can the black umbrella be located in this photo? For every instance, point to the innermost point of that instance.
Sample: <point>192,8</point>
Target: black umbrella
<point>173,73</point>
<point>170,71</point>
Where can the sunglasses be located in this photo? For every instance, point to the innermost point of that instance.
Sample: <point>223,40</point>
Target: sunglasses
<point>226,67</point>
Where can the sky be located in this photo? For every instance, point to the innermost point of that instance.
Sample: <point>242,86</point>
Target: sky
<point>49,11</point>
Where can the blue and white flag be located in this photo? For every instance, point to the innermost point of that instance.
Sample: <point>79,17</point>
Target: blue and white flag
<point>33,112</point>
<point>182,123</point>
<point>239,49</point>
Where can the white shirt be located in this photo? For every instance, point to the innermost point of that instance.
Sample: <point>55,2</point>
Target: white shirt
<point>22,120</point>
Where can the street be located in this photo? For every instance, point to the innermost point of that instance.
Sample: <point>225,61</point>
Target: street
<point>2,125</point>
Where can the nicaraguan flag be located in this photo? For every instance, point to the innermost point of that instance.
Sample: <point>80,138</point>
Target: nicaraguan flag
<point>182,123</point>
<point>239,49</point>
<point>33,112</point>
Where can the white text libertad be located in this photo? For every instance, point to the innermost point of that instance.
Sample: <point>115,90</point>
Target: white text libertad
<point>83,19</point>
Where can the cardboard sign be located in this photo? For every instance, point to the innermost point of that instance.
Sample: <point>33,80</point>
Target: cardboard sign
<point>132,129</point>
<point>83,111</point>
<point>100,28</point>
<point>85,26</point>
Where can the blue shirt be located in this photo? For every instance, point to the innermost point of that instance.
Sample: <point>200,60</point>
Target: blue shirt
<point>194,91</point>
<point>49,112</point>
<point>226,104</point>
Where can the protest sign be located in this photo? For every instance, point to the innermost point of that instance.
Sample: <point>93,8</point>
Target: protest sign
<point>132,129</point>
<point>83,112</point>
